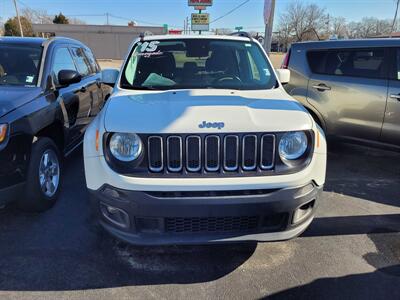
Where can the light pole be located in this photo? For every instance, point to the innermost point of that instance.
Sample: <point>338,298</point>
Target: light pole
<point>19,19</point>
<point>395,18</point>
<point>268,28</point>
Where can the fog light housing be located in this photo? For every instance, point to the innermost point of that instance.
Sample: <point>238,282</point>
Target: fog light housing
<point>303,212</point>
<point>115,215</point>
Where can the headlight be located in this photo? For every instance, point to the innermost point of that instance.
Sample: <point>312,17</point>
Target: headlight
<point>3,132</point>
<point>125,146</point>
<point>293,145</point>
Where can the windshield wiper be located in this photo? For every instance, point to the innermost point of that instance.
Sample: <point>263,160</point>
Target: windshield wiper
<point>132,87</point>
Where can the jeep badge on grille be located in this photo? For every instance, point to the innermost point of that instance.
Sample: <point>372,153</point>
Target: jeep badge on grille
<point>218,125</point>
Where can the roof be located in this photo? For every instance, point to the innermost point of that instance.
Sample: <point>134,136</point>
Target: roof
<point>198,37</point>
<point>22,40</point>
<point>33,41</point>
<point>382,42</point>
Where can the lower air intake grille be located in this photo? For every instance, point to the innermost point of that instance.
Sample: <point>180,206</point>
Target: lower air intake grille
<point>211,224</point>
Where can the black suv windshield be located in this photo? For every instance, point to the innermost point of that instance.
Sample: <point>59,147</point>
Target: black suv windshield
<point>19,65</point>
<point>197,63</point>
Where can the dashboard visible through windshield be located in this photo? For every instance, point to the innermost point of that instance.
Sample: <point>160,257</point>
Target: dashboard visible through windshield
<point>19,65</point>
<point>197,63</point>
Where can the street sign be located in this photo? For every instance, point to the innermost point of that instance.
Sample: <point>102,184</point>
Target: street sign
<point>200,22</point>
<point>239,28</point>
<point>200,2</point>
<point>200,7</point>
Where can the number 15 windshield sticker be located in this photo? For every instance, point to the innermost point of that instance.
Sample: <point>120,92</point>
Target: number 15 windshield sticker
<point>148,49</point>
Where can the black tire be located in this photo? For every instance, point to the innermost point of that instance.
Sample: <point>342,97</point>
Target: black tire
<point>35,199</point>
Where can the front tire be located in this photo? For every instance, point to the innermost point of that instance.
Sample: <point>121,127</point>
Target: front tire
<point>43,177</point>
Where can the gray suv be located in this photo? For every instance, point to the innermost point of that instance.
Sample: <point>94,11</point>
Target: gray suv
<point>351,87</point>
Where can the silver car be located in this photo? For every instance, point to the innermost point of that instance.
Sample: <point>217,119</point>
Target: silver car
<point>351,87</point>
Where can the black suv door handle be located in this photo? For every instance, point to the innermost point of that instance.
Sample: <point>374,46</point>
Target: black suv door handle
<point>322,87</point>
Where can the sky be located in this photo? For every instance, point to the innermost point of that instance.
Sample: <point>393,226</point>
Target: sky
<point>173,12</point>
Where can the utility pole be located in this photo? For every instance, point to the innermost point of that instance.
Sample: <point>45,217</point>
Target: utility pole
<point>19,19</point>
<point>187,25</point>
<point>107,15</point>
<point>394,19</point>
<point>268,28</point>
<point>200,14</point>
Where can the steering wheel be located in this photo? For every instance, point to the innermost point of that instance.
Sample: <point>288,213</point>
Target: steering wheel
<point>223,78</point>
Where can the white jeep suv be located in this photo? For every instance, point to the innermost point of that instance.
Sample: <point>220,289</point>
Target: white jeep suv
<point>199,143</point>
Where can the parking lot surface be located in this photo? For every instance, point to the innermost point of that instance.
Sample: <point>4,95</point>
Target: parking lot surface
<point>351,250</point>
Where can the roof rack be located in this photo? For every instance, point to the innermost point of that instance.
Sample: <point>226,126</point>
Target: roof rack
<point>242,34</point>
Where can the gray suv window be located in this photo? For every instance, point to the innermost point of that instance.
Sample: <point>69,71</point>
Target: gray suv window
<point>367,63</point>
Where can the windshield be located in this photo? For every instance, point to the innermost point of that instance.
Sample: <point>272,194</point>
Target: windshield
<point>197,63</point>
<point>19,65</point>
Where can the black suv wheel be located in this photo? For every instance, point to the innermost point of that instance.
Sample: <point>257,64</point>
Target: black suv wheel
<point>43,177</point>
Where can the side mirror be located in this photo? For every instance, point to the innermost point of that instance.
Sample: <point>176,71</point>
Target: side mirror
<point>109,76</point>
<point>283,75</point>
<point>67,77</point>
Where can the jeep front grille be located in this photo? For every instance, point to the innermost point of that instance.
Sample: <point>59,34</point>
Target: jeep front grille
<point>230,153</point>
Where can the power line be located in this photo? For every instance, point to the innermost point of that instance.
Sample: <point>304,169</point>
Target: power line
<point>120,18</point>
<point>108,15</point>
<point>231,11</point>
<point>93,15</point>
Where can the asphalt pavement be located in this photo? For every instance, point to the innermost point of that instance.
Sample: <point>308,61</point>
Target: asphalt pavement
<point>351,250</point>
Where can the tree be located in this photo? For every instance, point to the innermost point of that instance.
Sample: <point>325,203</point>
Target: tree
<point>338,27</point>
<point>304,21</point>
<point>37,16</point>
<point>284,36</point>
<point>369,27</point>
<point>11,27</point>
<point>60,19</point>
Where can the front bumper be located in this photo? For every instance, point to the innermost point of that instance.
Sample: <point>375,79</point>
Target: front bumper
<point>156,218</point>
<point>14,159</point>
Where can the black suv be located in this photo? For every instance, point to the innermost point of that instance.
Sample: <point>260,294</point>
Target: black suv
<point>50,90</point>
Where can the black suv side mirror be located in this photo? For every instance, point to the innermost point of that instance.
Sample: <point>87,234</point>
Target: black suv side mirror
<point>67,77</point>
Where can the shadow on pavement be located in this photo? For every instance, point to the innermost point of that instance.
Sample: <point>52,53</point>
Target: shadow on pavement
<point>359,286</point>
<point>348,225</point>
<point>363,172</point>
<point>374,285</point>
<point>64,249</point>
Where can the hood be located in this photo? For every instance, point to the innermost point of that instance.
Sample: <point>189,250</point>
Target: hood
<point>205,111</point>
<point>13,97</point>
